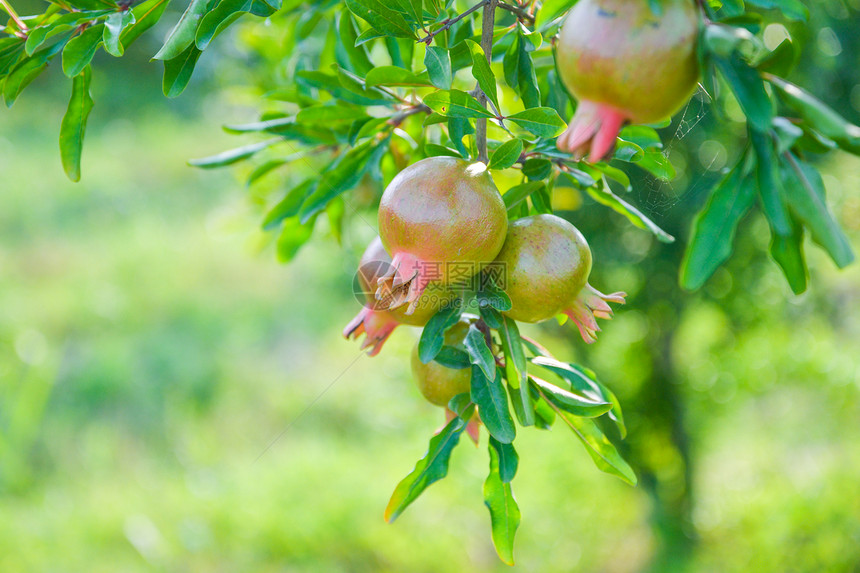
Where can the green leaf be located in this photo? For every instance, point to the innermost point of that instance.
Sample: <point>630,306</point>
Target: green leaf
<point>482,72</point>
<point>804,191</point>
<point>382,18</point>
<point>507,459</point>
<point>438,62</point>
<point>537,168</point>
<point>570,402</point>
<point>458,128</point>
<point>289,206</point>
<point>294,234</point>
<point>550,10</point>
<point>791,9</point>
<point>585,381</point>
<point>233,155</point>
<point>25,72</point>
<point>453,358</point>
<point>769,185</point>
<point>479,353</point>
<point>74,124</point>
<point>819,116</point>
<point>433,336</point>
<point>540,121</point>
<point>182,34</point>
<point>515,370</point>
<point>114,25</point>
<point>146,15</point>
<point>357,56</point>
<point>504,512</point>
<point>329,113</point>
<point>395,76</point>
<point>434,150</point>
<point>781,60</point>
<point>657,164</point>
<point>178,71</point>
<point>507,154</point>
<point>787,251</point>
<point>429,469</point>
<point>80,50</point>
<point>598,446</point>
<point>714,227</point>
<point>456,103</point>
<point>518,193</point>
<point>605,196</point>
<point>38,36</point>
<point>492,401</point>
<point>349,170</point>
<point>748,88</point>
<point>228,11</point>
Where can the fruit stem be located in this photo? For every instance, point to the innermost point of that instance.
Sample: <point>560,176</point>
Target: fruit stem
<point>487,25</point>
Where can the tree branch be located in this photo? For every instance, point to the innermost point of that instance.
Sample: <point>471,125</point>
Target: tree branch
<point>14,16</point>
<point>449,22</point>
<point>521,13</point>
<point>487,26</point>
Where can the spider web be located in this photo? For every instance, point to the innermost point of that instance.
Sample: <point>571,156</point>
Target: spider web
<point>659,196</point>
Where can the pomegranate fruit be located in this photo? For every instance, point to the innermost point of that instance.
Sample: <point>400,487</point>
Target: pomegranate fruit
<point>375,319</point>
<point>624,63</point>
<point>437,383</point>
<point>441,219</point>
<point>546,263</point>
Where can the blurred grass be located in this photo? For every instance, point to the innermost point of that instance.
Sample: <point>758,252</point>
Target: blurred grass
<point>155,375</point>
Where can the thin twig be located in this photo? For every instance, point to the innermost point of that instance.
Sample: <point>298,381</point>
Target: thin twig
<point>401,117</point>
<point>451,21</point>
<point>487,26</point>
<point>520,12</point>
<point>14,16</point>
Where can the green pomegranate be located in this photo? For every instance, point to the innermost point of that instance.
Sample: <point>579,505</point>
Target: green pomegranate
<point>441,219</point>
<point>437,383</point>
<point>546,263</point>
<point>375,319</point>
<point>624,63</point>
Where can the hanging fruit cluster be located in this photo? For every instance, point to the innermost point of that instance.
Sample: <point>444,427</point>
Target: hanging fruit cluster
<point>448,259</point>
<point>387,97</point>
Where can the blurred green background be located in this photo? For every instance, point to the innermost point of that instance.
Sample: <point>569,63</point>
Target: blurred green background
<point>164,383</point>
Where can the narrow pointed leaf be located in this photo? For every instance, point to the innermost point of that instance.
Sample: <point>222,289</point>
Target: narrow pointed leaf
<point>80,50</point>
<point>714,228</point>
<point>492,401</point>
<point>178,71</point>
<point>482,72</point>
<point>438,62</point>
<point>433,336</point>
<point>606,197</point>
<point>429,469</point>
<point>507,154</point>
<point>570,402</point>
<point>233,155</point>
<point>805,194</point>
<point>114,25</point>
<point>504,512</point>
<point>479,353</point>
<point>541,121</point>
<point>74,124</point>
<point>182,34</point>
<point>598,446</point>
<point>456,103</point>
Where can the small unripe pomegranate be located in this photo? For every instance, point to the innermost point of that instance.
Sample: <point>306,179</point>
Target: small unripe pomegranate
<point>441,219</point>
<point>437,383</point>
<point>547,262</point>
<point>375,319</point>
<point>624,63</point>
